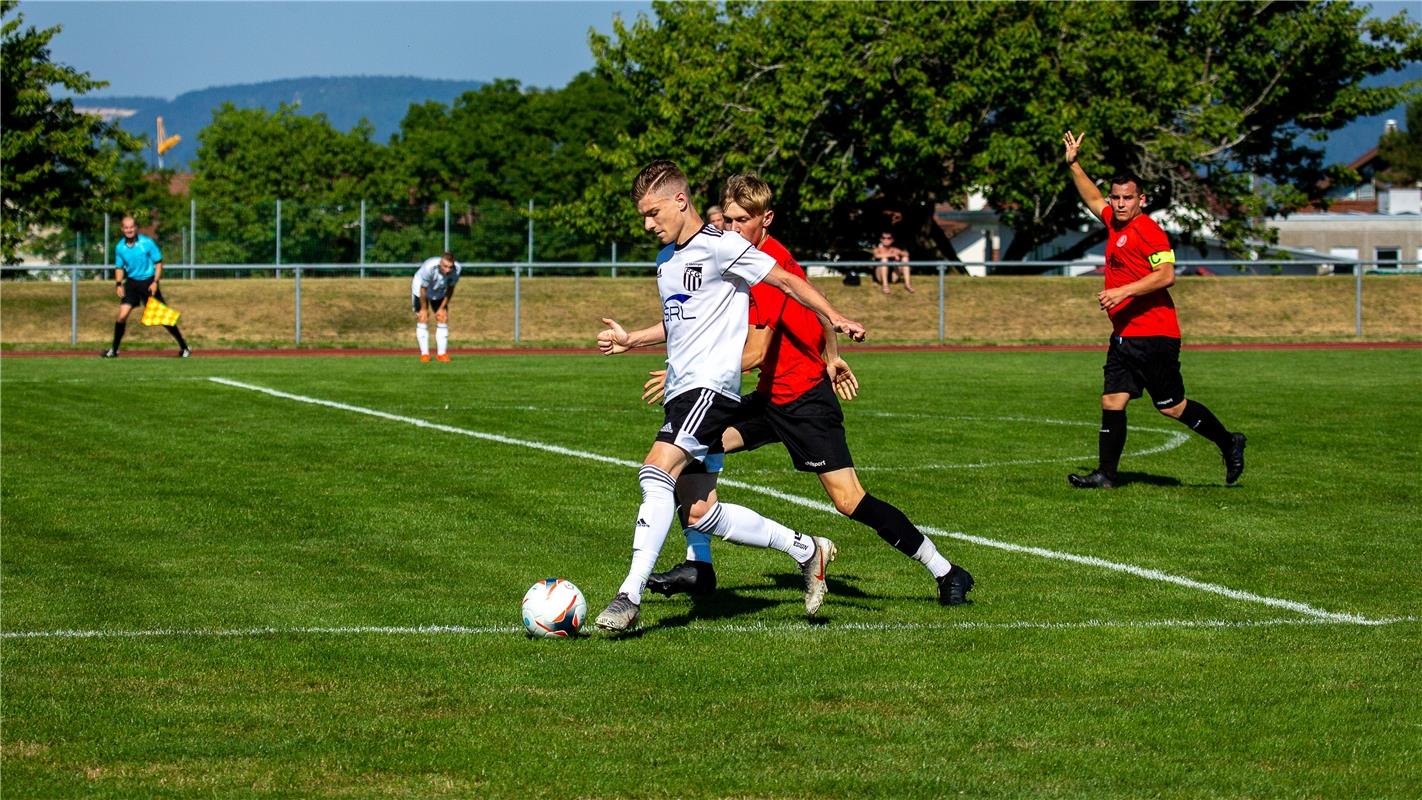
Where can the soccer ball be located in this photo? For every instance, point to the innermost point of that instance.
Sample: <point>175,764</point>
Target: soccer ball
<point>553,608</point>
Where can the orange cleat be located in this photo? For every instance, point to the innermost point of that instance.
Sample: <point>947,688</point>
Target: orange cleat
<point>442,359</point>
<point>424,359</point>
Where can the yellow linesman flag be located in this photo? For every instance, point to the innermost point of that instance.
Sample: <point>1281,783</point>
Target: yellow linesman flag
<point>155,313</point>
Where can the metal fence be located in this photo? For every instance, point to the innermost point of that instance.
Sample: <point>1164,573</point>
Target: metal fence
<point>520,271</point>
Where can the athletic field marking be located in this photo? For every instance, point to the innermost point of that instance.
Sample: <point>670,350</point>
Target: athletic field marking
<point>502,630</point>
<point>818,505</point>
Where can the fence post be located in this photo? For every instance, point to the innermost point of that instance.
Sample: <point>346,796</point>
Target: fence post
<point>942,294</point>
<point>1358,299</point>
<point>362,238</point>
<point>530,236</point>
<point>446,226</point>
<point>518,312</point>
<point>297,272</point>
<point>74,306</point>
<point>192,231</point>
<point>614,259</point>
<point>278,240</point>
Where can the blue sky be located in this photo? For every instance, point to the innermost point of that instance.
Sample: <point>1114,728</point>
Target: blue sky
<point>168,48</point>
<point>162,49</point>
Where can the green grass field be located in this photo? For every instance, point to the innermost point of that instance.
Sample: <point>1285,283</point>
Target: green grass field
<point>210,590</point>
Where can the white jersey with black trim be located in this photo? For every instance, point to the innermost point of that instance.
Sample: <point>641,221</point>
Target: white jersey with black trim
<point>705,288</point>
<point>429,276</point>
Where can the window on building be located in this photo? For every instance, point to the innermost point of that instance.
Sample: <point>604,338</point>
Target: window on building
<point>1384,255</point>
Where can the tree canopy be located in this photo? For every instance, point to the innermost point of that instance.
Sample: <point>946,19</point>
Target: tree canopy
<point>847,107</point>
<point>55,162</point>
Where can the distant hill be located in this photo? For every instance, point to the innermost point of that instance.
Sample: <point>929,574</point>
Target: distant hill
<point>383,101</point>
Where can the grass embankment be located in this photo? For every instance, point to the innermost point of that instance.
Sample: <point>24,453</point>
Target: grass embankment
<point>561,311</point>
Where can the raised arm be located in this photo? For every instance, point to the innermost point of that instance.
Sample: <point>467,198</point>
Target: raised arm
<point>808,296</point>
<point>1084,186</point>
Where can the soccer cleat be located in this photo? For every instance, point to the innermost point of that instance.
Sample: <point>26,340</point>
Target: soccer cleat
<point>109,353</point>
<point>1234,458</point>
<point>814,572</point>
<point>424,359</point>
<point>696,578</point>
<point>186,352</point>
<point>620,615</point>
<point>442,359</point>
<point>954,586</point>
<point>1096,479</point>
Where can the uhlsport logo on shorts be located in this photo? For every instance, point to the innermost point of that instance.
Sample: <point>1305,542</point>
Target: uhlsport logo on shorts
<point>691,277</point>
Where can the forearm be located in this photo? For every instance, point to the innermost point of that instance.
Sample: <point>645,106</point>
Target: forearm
<point>646,337</point>
<point>158,272</point>
<point>831,341</point>
<point>804,292</point>
<point>1085,187</point>
<point>1158,279</point>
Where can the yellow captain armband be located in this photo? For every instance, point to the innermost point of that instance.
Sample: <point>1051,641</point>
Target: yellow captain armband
<point>1163,257</point>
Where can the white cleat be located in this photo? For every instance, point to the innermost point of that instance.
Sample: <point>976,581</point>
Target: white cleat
<point>814,572</point>
<point>621,614</point>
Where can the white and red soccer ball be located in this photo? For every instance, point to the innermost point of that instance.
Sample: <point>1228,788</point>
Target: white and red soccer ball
<point>554,608</point>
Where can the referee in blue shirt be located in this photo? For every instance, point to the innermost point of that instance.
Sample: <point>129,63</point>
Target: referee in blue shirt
<point>138,266</point>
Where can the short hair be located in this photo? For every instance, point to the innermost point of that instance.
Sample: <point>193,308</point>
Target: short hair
<point>714,210</point>
<point>657,174</point>
<point>1127,176</point>
<point>749,192</point>
<point>448,254</point>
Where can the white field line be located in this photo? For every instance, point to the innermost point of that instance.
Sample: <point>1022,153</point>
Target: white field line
<point>503,630</point>
<point>1129,569</point>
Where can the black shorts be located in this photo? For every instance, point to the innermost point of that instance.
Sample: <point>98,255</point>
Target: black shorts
<point>135,293</point>
<point>695,421</point>
<point>1151,363</point>
<point>434,303</point>
<point>811,427</point>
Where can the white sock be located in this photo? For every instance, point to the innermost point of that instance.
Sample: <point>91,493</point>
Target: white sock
<point>654,519</point>
<point>740,525</point>
<point>698,545</point>
<point>442,338</point>
<point>928,556</point>
<point>422,335</point>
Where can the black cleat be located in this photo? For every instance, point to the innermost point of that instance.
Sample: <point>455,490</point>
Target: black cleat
<point>186,352</point>
<point>1096,479</point>
<point>696,578</point>
<point>953,587</point>
<point>1234,458</point>
<point>109,353</point>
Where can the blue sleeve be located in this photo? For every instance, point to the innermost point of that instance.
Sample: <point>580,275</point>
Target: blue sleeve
<point>665,254</point>
<point>153,251</point>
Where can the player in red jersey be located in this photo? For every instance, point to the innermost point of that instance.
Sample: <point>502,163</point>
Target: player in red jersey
<point>1145,339</point>
<point>795,404</point>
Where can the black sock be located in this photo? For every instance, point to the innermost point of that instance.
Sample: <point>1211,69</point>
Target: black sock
<point>892,525</point>
<point>177,334</point>
<point>1201,420</point>
<point>1111,441</point>
<point>119,328</point>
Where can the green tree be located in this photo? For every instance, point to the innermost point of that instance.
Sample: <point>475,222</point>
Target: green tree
<point>247,159</point>
<point>848,107</point>
<point>56,163</point>
<point>1401,150</point>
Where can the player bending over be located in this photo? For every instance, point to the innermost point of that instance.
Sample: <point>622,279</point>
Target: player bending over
<point>431,289</point>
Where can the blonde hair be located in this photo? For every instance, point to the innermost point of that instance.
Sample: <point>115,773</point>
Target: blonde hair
<point>749,192</point>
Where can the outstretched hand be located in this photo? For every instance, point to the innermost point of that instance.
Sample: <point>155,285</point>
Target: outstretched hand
<point>613,340</point>
<point>854,330</point>
<point>1073,146</point>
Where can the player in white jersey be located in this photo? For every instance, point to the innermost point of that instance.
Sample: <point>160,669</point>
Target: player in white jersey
<point>431,289</point>
<point>704,277</point>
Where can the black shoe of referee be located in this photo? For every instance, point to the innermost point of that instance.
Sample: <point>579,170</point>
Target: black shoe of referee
<point>1096,479</point>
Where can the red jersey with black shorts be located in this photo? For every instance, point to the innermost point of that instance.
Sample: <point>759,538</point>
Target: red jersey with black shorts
<point>1133,251</point>
<point>794,403</point>
<point>793,362</point>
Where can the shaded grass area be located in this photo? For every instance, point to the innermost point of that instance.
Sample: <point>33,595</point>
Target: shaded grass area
<point>563,311</point>
<point>138,495</point>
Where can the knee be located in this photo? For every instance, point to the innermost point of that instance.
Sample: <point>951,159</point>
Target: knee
<point>1174,411</point>
<point>693,514</point>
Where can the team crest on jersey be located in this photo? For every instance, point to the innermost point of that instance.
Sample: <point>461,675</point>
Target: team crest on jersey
<point>1121,242</point>
<point>691,277</point>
